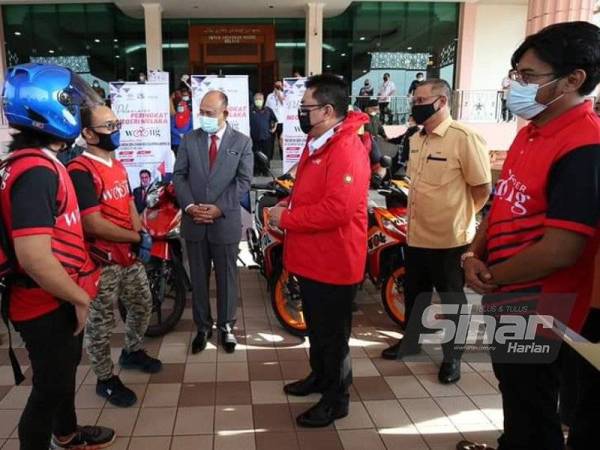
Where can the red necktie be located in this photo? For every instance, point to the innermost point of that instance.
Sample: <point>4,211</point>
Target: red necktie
<point>212,151</point>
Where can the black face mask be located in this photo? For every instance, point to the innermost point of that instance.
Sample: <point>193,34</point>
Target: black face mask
<point>109,142</point>
<point>304,119</point>
<point>421,113</point>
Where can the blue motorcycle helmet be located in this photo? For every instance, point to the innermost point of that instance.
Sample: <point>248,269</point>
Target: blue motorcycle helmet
<point>47,99</point>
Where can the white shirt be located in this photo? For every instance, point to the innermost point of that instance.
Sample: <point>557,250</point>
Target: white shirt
<point>386,90</point>
<point>106,162</point>
<point>318,143</point>
<point>276,104</point>
<point>219,135</point>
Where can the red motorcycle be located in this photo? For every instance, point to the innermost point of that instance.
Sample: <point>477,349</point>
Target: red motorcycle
<point>169,281</point>
<point>386,242</point>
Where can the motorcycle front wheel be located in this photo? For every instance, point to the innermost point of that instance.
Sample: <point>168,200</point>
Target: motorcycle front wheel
<point>392,296</point>
<point>168,288</point>
<point>287,303</point>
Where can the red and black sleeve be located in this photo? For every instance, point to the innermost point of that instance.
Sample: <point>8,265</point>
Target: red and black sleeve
<point>574,191</point>
<point>86,191</point>
<point>33,202</point>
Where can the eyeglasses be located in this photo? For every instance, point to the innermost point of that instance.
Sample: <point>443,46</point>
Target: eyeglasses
<point>309,108</point>
<point>525,78</point>
<point>422,100</point>
<point>110,126</point>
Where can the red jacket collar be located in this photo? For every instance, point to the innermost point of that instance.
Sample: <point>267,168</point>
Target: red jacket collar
<point>351,124</point>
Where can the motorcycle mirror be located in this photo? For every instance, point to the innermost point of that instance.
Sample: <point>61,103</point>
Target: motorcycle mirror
<point>262,158</point>
<point>385,161</point>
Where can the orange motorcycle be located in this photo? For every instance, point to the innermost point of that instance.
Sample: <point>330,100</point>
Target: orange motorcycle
<point>386,243</point>
<point>266,246</point>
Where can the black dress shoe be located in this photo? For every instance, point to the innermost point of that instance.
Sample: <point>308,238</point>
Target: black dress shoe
<point>228,341</point>
<point>449,372</point>
<point>322,414</point>
<point>199,342</point>
<point>398,351</point>
<point>302,388</point>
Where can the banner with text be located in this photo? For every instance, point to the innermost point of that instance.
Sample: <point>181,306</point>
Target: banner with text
<point>294,139</point>
<point>146,132</point>
<point>236,89</point>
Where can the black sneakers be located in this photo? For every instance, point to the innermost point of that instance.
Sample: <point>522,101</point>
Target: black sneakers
<point>87,438</point>
<point>139,360</point>
<point>115,392</point>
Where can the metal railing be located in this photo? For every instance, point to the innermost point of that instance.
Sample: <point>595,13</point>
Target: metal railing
<point>484,106</point>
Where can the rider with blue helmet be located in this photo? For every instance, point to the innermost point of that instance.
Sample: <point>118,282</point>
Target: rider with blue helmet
<point>51,277</point>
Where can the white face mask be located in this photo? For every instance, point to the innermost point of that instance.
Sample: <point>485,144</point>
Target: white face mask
<point>521,100</point>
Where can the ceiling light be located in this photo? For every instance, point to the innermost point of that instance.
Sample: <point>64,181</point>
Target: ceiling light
<point>343,54</point>
<point>409,48</point>
<point>17,33</point>
<point>329,66</point>
<point>117,56</point>
<point>362,38</point>
<point>364,71</point>
<point>97,41</point>
<point>132,68</point>
<point>115,40</point>
<point>51,51</point>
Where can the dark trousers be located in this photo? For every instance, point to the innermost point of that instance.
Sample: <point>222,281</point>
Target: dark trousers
<point>54,354</point>
<point>530,405</point>
<point>384,110</point>
<point>265,146</point>
<point>427,269</point>
<point>328,314</point>
<point>278,133</point>
<point>202,254</point>
<point>586,418</point>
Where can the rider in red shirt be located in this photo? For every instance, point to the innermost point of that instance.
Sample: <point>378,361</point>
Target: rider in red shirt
<point>52,276</point>
<point>112,226</point>
<point>541,235</point>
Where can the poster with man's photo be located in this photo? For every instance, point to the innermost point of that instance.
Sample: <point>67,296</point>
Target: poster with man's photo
<point>146,134</point>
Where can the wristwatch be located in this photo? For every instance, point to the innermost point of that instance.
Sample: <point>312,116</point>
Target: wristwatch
<point>466,256</point>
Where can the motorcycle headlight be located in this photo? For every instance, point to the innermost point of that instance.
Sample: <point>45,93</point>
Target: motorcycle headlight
<point>174,233</point>
<point>152,198</point>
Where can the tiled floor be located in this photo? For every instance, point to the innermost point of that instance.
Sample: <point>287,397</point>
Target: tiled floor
<point>215,400</point>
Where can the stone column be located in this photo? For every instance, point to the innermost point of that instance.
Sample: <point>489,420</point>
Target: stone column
<point>314,38</point>
<point>153,25</point>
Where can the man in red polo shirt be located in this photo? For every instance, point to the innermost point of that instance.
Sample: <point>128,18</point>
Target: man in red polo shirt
<point>542,233</point>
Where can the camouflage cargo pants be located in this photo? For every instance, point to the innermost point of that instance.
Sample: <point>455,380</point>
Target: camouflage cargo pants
<point>130,285</point>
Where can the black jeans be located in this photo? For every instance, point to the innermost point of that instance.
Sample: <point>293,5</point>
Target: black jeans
<point>427,269</point>
<point>328,314</point>
<point>586,418</point>
<point>530,405</point>
<point>54,354</point>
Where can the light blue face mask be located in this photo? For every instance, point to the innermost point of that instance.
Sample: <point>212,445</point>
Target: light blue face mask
<point>209,124</point>
<point>521,100</point>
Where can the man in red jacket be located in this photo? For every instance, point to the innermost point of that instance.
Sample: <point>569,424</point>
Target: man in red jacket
<point>325,244</point>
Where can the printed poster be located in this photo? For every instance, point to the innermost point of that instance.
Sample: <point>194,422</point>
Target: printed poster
<point>236,89</point>
<point>146,132</point>
<point>294,139</point>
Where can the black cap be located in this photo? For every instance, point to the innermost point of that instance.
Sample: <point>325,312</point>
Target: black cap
<point>372,102</point>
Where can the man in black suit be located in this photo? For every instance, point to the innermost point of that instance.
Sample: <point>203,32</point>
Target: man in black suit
<point>139,193</point>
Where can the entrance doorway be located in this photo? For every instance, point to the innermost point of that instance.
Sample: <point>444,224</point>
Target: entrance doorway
<point>235,50</point>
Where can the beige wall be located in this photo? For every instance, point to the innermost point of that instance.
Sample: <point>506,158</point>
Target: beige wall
<point>499,29</point>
